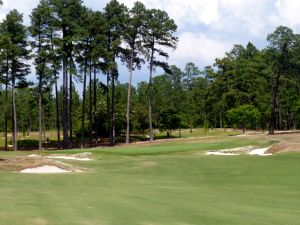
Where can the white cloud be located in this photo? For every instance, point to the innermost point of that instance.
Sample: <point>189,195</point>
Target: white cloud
<point>198,48</point>
<point>185,11</point>
<point>288,11</point>
<point>23,6</point>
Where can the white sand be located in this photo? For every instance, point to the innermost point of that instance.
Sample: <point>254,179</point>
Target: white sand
<point>220,153</point>
<point>34,155</point>
<point>250,150</point>
<point>45,169</point>
<point>62,157</point>
<point>260,152</point>
<point>69,157</point>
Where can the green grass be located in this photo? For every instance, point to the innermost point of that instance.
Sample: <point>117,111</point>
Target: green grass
<point>147,185</point>
<point>31,141</point>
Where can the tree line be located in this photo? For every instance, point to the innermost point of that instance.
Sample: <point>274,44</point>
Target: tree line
<point>247,88</point>
<point>67,39</point>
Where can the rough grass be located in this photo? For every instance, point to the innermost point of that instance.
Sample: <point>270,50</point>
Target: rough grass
<point>177,185</point>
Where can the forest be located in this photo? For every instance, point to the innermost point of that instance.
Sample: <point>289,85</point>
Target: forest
<point>249,88</point>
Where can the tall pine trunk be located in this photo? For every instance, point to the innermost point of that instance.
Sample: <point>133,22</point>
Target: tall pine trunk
<point>70,111</point>
<point>95,104</point>
<point>40,100</point>
<point>43,125</point>
<point>65,104</point>
<point>91,108</point>
<point>6,105</point>
<point>40,113</point>
<point>151,135</point>
<point>108,107</point>
<point>113,107</point>
<point>57,112</point>
<point>14,115</point>
<point>83,104</point>
<point>129,99</point>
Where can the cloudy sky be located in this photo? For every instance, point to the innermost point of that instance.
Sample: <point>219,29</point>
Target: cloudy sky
<point>206,28</point>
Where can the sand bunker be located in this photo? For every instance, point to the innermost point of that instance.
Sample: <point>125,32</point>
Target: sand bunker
<point>260,151</point>
<point>68,157</point>
<point>35,164</point>
<point>220,153</point>
<point>45,169</point>
<point>84,156</point>
<point>250,150</point>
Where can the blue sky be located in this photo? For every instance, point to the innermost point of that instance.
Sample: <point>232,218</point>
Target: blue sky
<point>206,28</point>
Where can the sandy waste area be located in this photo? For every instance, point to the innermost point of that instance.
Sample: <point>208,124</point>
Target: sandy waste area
<point>45,169</point>
<point>249,150</point>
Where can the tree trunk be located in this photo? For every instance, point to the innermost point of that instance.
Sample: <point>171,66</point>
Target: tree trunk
<point>274,100</point>
<point>95,105</point>
<point>30,125</point>
<point>113,107</point>
<point>280,119</point>
<point>57,112</point>
<point>292,121</point>
<point>65,104</point>
<point>216,121</point>
<point>43,126</point>
<point>40,100</point>
<point>108,108</point>
<point>288,120</point>
<point>129,99</point>
<point>91,108</point>
<point>6,105</point>
<point>83,105</point>
<point>70,111</point>
<point>40,114</point>
<point>149,97</point>
<point>14,116</point>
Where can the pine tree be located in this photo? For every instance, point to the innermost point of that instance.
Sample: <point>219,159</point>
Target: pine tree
<point>39,29</point>
<point>158,32</point>
<point>65,21</point>
<point>115,15</point>
<point>133,37</point>
<point>17,54</point>
<point>281,42</point>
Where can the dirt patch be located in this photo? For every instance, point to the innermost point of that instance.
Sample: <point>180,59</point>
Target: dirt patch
<point>148,164</point>
<point>285,147</point>
<point>284,141</point>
